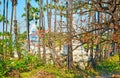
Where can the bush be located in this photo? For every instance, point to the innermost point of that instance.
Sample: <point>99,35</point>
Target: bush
<point>109,66</point>
<point>28,63</point>
<point>25,64</point>
<point>3,69</point>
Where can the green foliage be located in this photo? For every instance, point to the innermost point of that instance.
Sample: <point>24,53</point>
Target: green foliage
<point>57,71</point>
<point>1,18</point>
<point>109,66</point>
<point>91,72</point>
<point>33,13</point>
<point>27,63</point>
<point>5,44</point>
<point>23,65</point>
<point>2,69</point>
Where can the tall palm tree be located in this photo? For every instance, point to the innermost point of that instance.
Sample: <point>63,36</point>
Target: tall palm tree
<point>69,26</point>
<point>4,27</point>
<point>60,28</point>
<point>4,17</point>
<point>43,39</point>
<point>15,20</point>
<point>14,2</point>
<point>55,18</point>
<point>11,23</point>
<point>11,20</point>
<point>6,8</point>
<point>55,54</point>
<point>49,13</point>
<point>27,22</point>
<point>40,19</point>
<point>42,25</point>
<point>7,15</point>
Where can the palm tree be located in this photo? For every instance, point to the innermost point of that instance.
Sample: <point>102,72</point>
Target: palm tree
<point>4,26</point>
<point>11,23</point>
<point>55,18</point>
<point>69,26</point>
<point>42,24</point>
<point>4,17</point>
<point>15,20</point>
<point>55,31</point>
<point>49,13</point>
<point>5,48</point>
<point>7,15</point>
<point>14,3</point>
<point>11,19</point>
<point>40,19</point>
<point>27,22</point>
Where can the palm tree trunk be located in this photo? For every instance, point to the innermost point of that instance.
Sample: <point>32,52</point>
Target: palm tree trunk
<point>43,40</point>
<point>69,20</point>
<point>54,55</point>
<point>40,18</point>
<point>15,28</point>
<point>11,19</point>
<point>7,15</point>
<point>27,23</point>
<point>49,13</point>
<point>4,29</point>
<point>4,17</point>
<point>55,19</point>
<point>60,29</point>
<point>43,26</point>
<point>11,23</point>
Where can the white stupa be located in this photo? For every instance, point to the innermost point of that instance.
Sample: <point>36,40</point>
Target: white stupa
<point>33,38</point>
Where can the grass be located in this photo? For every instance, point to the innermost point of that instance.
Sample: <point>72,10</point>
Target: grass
<point>57,71</point>
<point>108,66</point>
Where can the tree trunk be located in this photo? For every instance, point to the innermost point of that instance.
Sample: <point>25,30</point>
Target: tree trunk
<point>7,15</point>
<point>15,29</point>
<point>11,19</point>
<point>60,29</point>
<point>11,22</point>
<point>27,23</point>
<point>43,39</point>
<point>4,17</point>
<point>4,29</point>
<point>69,26</point>
<point>49,13</point>
<point>40,18</point>
<point>42,24</point>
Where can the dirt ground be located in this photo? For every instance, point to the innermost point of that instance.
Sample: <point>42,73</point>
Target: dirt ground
<point>43,74</point>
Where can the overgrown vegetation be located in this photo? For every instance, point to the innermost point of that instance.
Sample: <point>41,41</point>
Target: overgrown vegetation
<point>109,66</point>
<point>92,24</point>
<point>23,65</point>
<point>57,71</point>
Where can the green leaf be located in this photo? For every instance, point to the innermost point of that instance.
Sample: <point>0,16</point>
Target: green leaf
<point>0,33</point>
<point>2,18</point>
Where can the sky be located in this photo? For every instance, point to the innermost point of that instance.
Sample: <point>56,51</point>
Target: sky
<point>20,10</point>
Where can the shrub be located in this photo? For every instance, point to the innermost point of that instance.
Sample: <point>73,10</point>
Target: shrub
<point>109,66</point>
